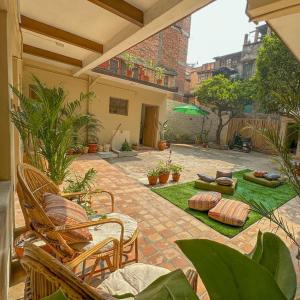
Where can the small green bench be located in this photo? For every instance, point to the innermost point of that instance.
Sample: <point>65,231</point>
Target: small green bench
<point>262,181</point>
<point>213,186</point>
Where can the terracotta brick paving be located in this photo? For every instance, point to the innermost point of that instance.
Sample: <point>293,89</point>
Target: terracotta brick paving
<point>161,223</point>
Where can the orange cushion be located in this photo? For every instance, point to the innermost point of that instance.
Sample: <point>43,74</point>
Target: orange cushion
<point>259,173</point>
<point>65,212</point>
<point>204,201</point>
<point>230,212</point>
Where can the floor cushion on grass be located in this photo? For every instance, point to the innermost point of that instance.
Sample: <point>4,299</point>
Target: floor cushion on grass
<point>224,181</point>
<point>213,186</point>
<point>272,176</point>
<point>230,212</point>
<point>131,279</point>
<point>259,173</point>
<point>206,178</point>
<point>223,174</point>
<point>204,201</point>
<point>262,181</point>
<point>65,212</point>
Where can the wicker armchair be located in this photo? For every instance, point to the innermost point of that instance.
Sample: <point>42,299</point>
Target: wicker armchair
<point>45,275</point>
<point>32,184</point>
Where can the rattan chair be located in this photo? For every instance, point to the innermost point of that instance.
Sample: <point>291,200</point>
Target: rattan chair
<point>45,275</point>
<point>32,186</point>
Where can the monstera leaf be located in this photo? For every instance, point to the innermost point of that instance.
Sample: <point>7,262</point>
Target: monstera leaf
<point>172,286</point>
<point>271,253</point>
<point>228,274</point>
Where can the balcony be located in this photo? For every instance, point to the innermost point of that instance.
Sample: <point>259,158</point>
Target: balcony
<point>117,67</point>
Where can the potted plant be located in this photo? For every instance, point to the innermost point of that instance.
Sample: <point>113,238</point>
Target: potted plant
<point>159,72</point>
<point>129,60</point>
<point>149,67</point>
<point>164,172</point>
<point>153,176</point>
<point>93,129</point>
<point>135,146</point>
<point>176,171</point>
<point>162,126</point>
<point>125,146</point>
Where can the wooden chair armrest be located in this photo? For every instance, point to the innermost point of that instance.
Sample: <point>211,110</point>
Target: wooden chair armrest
<point>74,194</point>
<point>192,277</point>
<point>83,256</point>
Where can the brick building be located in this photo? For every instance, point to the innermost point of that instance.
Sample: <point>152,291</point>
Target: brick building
<point>168,49</point>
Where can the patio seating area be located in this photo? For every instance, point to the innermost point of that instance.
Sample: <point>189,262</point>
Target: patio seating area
<point>160,223</point>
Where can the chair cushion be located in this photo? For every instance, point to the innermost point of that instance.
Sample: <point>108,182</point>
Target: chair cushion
<point>230,212</point>
<point>131,279</point>
<point>206,178</point>
<point>65,212</point>
<point>259,173</point>
<point>224,181</point>
<point>104,231</point>
<point>204,201</point>
<point>272,176</point>
<point>223,174</point>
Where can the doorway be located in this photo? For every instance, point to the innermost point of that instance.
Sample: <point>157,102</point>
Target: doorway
<point>149,119</point>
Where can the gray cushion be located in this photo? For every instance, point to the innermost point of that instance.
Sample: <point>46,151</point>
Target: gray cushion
<point>224,181</point>
<point>206,178</point>
<point>223,174</point>
<point>272,176</point>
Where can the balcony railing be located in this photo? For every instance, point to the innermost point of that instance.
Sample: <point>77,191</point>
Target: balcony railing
<point>117,67</point>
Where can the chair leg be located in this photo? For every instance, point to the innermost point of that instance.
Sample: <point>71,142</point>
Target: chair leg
<point>91,273</point>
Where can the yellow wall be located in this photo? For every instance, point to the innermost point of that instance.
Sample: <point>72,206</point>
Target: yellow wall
<point>99,106</point>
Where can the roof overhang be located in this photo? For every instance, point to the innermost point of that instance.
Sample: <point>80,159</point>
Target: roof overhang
<point>283,16</point>
<point>85,33</point>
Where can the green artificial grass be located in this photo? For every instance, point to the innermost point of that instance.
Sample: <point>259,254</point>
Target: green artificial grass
<point>271,198</point>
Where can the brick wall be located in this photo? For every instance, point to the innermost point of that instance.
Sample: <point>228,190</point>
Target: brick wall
<point>169,49</point>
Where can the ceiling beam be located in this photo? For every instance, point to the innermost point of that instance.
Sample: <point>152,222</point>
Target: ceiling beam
<point>59,34</point>
<point>123,9</point>
<point>52,55</point>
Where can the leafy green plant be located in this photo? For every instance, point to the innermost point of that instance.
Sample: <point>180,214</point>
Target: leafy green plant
<point>159,72</point>
<point>153,172</point>
<point>162,127</point>
<point>130,60</point>
<point>125,146</point>
<point>176,169</point>
<point>77,183</point>
<point>47,125</point>
<point>163,168</point>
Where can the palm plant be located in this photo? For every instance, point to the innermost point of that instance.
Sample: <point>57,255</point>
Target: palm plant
<point>47,125</point>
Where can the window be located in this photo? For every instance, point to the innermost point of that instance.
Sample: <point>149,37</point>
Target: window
<point>118,106</point>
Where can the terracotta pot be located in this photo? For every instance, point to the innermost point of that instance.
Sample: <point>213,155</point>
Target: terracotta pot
<point>298,172</point>
<point>163,178</point>
<point>204,145</point>
<point>159,81</point>
<point>145,78</point>
<point>152,180</point>
<point>85,150</point>
<point>70,151</point>
<point>129,73</point>
<point>162,145</point>
<point>93,148</point>
<point>175,177</point>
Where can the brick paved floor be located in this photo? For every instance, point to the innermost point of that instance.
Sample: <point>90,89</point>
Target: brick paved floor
<point>161,223</point>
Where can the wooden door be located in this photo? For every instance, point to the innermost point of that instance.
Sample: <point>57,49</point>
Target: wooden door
<point>150,127</point>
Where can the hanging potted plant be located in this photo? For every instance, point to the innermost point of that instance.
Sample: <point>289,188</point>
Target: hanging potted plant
<point>159,72</point>
<point>164,172</point>
<point>129,60</point>
<point>153,176</point>
<point>162,126</point>
<point>176,171</point>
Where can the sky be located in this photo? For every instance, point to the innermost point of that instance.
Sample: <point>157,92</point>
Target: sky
<point>218,29</point>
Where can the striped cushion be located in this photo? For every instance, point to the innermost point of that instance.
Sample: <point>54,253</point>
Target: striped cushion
<point>223,174</point>
<point>204,201</point>
<point>230,212</point>
<point>65,212</point>
<point>224,181</point>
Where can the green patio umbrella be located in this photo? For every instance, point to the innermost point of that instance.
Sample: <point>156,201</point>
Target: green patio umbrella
<point>190,109</point>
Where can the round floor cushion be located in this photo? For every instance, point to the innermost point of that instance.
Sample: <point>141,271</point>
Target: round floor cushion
<point>204,201</point>
<point>224,181</point>
<point>260,173</point>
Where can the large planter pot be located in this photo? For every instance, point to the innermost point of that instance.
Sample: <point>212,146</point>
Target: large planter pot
<point>152,180</point>
<point>145,77</point>
<point>85,150</point>
<point>162,145</point>
<point>175,177</point>
<point>163,178</point>
<point>159,81</point>
<point>93,148</point>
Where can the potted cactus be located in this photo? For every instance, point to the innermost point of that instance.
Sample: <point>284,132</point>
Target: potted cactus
<point>152,176</point>
<point>176,171</point>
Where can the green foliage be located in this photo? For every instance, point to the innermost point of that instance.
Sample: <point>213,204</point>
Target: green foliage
<point>58,295</point>
<point>77,183</point>
<point>224,95</point>
<point>162,127</point>
<point>176,169</point>
<point>130,60</point>
<point>164,167</point>
<point>172,286</point>
<point>278,78</point>
<point>159,72</point>
<point>125,146</point>
<point>228,274</point>
<point>48,125</point>
<point>153,172</point>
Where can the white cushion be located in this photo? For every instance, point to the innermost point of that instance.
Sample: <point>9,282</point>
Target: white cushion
<point>131,279</point>
<point>103,231</point>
